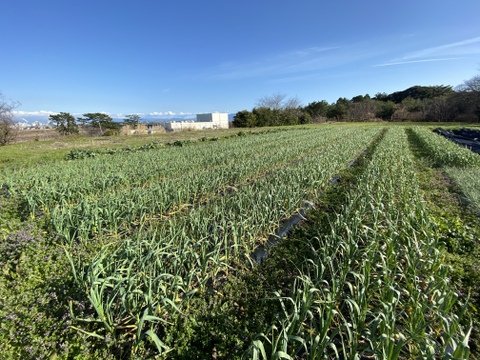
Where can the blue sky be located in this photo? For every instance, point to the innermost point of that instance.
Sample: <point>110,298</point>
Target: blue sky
<point>177,58</point>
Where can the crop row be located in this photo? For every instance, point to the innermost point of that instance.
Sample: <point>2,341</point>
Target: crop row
<point>442,151</point>
<point>128,193</point>
<point>375,285</point>
<point>469,182</point>
<point>142,284</point>
<point>74,180</point>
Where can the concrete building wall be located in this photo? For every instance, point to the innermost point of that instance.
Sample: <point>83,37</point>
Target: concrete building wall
<point>203,121</point>
<point>189,125</point>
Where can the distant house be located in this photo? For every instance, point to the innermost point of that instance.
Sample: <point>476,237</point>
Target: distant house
<point>204,121</point>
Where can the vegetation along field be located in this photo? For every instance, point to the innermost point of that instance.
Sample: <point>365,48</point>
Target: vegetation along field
<point>145,250</point>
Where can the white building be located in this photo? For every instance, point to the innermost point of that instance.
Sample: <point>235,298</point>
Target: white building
<point>203,121</point>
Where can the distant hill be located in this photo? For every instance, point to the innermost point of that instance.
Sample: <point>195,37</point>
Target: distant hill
<point>416,92</point>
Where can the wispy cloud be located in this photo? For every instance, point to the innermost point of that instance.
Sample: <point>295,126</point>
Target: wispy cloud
<point>390,63</point>
<point>447,52</point>
<point>293,62</point>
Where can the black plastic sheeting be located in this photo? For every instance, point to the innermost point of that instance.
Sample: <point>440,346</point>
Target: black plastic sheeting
<point>261,252</point>
<point>468,138</point>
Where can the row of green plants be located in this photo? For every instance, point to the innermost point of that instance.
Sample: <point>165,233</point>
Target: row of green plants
<point>469,182</point>
<point>143,285</point>
<point>375,284</point>
<point>443,152</point>
<point>77,154</point>
<point>105,198</point>
<point>452,195</point>
<point>99,175</point>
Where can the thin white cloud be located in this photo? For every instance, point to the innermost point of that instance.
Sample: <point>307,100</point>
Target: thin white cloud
<point>447,52</point>
<point>464,47</point>
<point>418,61</point>
<point>292,62</point>
<point>308,52</point>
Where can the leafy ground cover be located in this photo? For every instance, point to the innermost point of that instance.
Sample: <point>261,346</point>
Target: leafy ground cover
<point>137,254</point>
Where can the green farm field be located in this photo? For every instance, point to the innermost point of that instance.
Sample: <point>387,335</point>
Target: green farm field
<point>145,247</point>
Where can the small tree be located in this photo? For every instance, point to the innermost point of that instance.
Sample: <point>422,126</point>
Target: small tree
<point>132,120</point>
<point>98,120</point>
<point>339,110</point>
<point>65,123</point>
<point>305,118</point>
<point>317,109</point>
<point>244,118</point>
<point>386,110</point>
<point>411,104</point>
<point>8,131</point>
<point>266,116</point>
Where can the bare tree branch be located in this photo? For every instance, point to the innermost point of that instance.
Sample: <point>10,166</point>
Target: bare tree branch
<point>273,102</point>
<point>472,84</point>
<point>278,101</point>
<point>8,131</point>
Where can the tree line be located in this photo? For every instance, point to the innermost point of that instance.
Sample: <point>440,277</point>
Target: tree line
<point>417,103</point>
